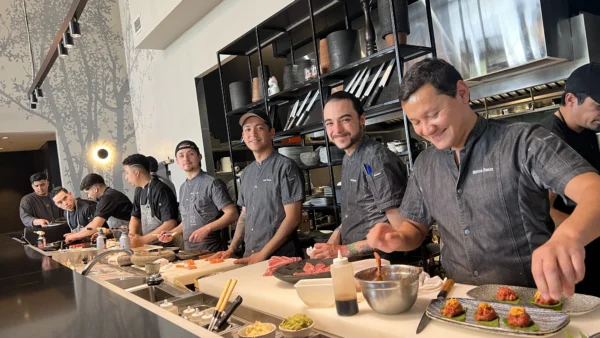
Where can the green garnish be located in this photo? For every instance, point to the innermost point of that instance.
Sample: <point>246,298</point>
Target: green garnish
<point>532,327</point>
<point>556,307</point>
<point>460,318</point>
<point>489,323</point>
<point>513,302</point>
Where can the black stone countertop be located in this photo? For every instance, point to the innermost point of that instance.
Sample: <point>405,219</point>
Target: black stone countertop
<point>41,298</point>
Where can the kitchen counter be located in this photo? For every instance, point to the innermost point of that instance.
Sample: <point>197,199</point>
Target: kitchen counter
<point>41,298</point>
<point>270,295</point>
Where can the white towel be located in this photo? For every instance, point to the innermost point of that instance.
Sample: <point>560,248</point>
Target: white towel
<point>429,284</point>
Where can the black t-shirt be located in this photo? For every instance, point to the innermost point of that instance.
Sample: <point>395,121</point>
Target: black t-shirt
<point>114,203</point>
<point>163,202</point>
<point>83,215</point>
<point>584,143</point>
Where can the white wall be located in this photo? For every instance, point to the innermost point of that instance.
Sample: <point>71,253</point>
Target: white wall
<point>163,90</point>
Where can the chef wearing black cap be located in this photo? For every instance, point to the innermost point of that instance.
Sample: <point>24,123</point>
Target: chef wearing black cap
<point>205,206</point>
<point>271,194</point>
<point>154,206</point>
<point>575,122</point>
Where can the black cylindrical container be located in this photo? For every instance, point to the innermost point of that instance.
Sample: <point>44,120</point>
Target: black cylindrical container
<point>288,76</point>
<point>240,93</point>
<point>261,79</point>
<point>385,16</point>
<point>344,48</point>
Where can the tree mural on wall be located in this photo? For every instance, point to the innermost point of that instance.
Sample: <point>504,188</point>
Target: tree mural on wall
<point>86,95</point>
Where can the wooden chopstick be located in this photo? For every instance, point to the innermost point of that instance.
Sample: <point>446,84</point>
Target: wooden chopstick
<point>227,296</point>
<point>223,295</point>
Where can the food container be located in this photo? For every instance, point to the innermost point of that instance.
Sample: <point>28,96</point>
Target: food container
<point>299,333</point>
<point>272,333</point>
<point>397,292</point>
<point>316,293</point>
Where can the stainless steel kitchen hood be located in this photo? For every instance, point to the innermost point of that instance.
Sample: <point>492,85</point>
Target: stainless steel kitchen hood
<point>489,40</point>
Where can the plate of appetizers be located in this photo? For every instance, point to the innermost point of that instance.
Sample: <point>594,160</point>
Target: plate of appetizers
<point>517,295</point>
<point>505,319</point>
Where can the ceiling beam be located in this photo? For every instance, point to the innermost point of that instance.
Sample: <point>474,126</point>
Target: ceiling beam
<point>74,11</point>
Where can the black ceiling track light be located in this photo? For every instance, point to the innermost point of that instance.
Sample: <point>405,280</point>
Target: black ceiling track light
<point>74,28</point>
<point>60,47</point>
<point>62,50</point>
<point>68,40</point>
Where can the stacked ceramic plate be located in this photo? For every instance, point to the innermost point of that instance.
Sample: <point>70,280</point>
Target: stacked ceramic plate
<point>294,152</point>
<point>327,192</point>
<point>337,154</point>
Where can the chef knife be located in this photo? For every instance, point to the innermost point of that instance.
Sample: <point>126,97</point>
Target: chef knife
<point>300,110</point>
<point>364,97</point>
<point>382,84</point>
<point>448,284</point>
<point>357,82</point>
<point>306,112</point>
<point>353,80</point>
<point>287,123</point>
<point>220,325</point>
<point>363,83</point>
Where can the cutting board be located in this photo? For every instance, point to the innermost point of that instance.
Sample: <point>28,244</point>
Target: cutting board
<point>204,268</point>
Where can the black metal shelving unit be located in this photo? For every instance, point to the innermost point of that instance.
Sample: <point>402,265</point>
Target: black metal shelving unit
<point>301,14</point>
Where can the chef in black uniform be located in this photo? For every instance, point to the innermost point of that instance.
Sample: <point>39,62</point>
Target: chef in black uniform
<point>154,206</point>
<point>79,212</point>
<point>575,122</point>
<point>114,208</point>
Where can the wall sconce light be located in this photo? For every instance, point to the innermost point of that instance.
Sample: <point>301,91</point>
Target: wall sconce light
<point>102,155</point>
<point>68,40</point>
<point>62,51</point>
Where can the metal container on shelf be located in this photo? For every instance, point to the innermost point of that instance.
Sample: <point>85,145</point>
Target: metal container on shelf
<point>344,48</point>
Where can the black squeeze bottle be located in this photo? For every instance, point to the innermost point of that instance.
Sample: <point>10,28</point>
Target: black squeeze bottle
<point>344,289</point>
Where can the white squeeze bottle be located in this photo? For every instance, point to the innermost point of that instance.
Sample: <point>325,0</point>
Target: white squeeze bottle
<point>344,289</point>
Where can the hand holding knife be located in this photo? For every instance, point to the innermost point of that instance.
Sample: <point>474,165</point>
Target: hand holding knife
<point>448,284</point>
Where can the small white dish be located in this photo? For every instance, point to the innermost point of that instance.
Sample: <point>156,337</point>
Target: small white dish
<point>316,293</point>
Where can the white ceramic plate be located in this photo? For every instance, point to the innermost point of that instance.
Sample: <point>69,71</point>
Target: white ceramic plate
<point>575,306</point>
<point>548,321</point>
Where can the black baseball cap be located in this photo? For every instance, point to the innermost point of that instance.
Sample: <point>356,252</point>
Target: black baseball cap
<point>256,113</point>
<point>187,145</point>
<point>585,80</point>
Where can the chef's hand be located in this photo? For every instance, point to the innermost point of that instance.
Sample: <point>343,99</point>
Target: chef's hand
<point>221,255</point>
<point>324,250</point>
<point>383,237</point>
<point>71,237</point>
<point>135,240</point>
<point>41,222</point>
<point>558,265</point>
<point>165,236</point>
<point>252,259</point>
<point>200,234</point>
